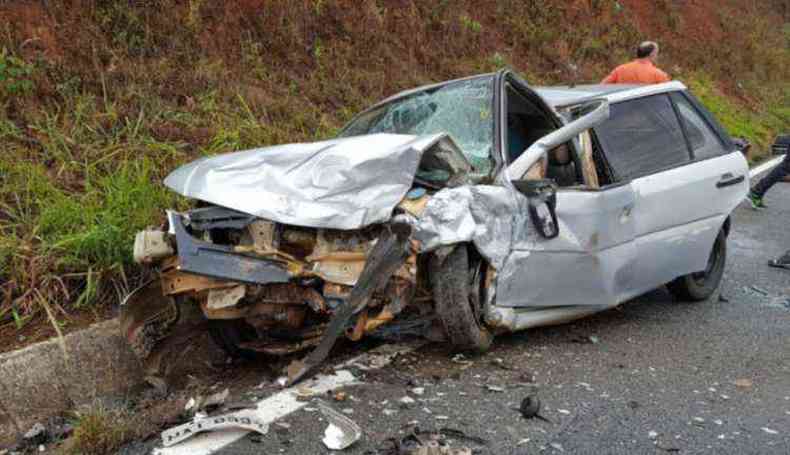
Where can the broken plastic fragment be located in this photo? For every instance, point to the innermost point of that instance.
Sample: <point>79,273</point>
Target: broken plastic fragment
<point>494,388</point>
<point>342,432</point>
<point>743,383</point>
<point>241,419</point>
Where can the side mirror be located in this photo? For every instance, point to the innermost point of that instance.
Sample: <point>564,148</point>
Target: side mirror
<point>542,196</point>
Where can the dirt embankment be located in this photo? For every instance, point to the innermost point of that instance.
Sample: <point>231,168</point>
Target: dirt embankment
<point>98,100</point>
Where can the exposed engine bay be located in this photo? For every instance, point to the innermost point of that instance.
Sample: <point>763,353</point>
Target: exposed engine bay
<point>261,286</point>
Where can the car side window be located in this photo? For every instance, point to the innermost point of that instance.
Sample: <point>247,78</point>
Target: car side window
<point>703,141</point>
<point>642,136</point>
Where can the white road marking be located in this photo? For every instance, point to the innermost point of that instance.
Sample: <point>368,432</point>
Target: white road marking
<point>765,166</point>
<point>286,402</point>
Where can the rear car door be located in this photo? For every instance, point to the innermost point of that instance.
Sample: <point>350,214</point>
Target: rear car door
<point>679,204</point>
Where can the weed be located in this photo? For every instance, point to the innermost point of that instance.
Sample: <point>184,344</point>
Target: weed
<point>15,76</point>
<point>318,49</point>
<point>498,60</point>
<point>470,24</point>
<point>758,126</point>
<point>99,430</point>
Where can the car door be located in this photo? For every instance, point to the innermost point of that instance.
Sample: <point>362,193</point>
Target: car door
<point>678,212</point>
<point>590,263</point>
<point>720,168</point>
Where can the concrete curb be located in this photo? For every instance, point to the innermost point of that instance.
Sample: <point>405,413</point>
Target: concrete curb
<point>39,381</point>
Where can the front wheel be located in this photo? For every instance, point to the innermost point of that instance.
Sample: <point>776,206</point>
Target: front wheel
<point>701,285</point>
<point>456,283</point>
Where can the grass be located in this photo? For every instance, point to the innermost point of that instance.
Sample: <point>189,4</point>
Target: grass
<point>758,126</point>
<point>97,105</point>
<point>100,430</point>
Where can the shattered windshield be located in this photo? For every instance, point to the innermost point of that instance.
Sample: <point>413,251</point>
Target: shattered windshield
<point>462,109</point>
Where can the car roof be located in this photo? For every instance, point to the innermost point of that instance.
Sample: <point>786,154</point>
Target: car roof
<point>564,95</point>
<point>559,96</point>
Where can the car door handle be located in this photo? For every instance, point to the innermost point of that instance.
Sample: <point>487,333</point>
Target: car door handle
<point>729,180</point>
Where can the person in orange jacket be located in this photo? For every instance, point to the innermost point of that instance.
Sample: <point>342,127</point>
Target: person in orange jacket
<point>640,71</point>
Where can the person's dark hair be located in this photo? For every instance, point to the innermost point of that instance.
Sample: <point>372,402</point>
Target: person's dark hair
<point>645,49</point>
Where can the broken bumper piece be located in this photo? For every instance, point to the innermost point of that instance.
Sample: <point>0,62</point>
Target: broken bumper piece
<point>221,261</point>
<point>247,274</point>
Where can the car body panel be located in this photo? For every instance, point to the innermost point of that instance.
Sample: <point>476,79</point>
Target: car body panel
<point>679,213</point>
<point>345,183</point>
<point>591,262</point>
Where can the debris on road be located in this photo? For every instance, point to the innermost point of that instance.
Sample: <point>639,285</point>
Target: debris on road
<point>592,339</point>
<point>500,363</point>
<point>241,419</point>
<point>530,408</point>
<point>460,359</point>
<point>342,432</point>
<point>206,405</point>
<point>743,383</point>
<point>214,401</point>
<point>769,431</point>
<point>759,290</point>
<point>439,442</point>
<point>36,435</point>
<point>407,401</point>
<point>379,357</point>
<point>494,388</point>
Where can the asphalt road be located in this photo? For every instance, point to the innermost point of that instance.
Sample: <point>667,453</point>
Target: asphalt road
<point>653,376</point>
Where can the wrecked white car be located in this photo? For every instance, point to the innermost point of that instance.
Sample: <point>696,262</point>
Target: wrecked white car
<point>474,206</point>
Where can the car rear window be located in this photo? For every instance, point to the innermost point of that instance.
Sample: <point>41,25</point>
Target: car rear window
<point>642,136</point>
<point>704,142</point>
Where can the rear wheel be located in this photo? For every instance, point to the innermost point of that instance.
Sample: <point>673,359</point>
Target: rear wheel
<point>457,289</point>
<point>701,285</point>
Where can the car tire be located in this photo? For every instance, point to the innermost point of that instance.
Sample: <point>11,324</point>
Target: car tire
<point>228,334</point>
<point>701,285</point>
<point>451,280</point>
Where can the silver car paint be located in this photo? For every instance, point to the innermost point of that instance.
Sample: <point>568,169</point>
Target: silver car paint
<point>664,229</point>
<point>679,213</point>
<point>346,183</point>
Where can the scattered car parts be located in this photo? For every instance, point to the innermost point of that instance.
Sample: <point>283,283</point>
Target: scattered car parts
<point>241,419</point>
<point>342,432</point>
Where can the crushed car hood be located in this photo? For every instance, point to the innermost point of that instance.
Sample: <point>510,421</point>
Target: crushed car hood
<point>345,183</point>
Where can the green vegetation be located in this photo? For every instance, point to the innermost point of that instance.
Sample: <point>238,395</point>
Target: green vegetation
<point>99,430</point>
<point>758,126</point>
<point>99,103</point>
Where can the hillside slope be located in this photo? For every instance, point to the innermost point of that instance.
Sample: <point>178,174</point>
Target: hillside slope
<point>99,100</point>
